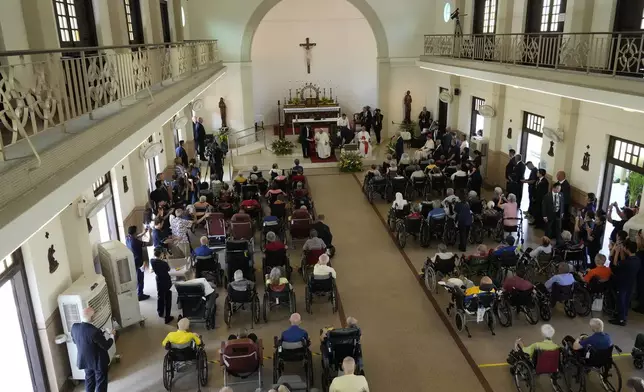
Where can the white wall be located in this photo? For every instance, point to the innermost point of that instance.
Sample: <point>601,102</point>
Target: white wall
<point>344,58</point>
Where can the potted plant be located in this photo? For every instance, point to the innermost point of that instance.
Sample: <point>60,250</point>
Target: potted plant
<point>350,162</point>
<point>282,147</point>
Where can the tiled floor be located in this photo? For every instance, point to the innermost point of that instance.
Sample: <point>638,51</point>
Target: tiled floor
<point>406,344</point>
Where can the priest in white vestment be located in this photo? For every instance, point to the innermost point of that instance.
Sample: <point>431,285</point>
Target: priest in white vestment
<point>364,142</point>
<point>322,144</point>
<point>423,153</point>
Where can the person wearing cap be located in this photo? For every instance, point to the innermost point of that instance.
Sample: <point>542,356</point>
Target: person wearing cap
<point>182,335</point>
<point>506,246</point>
<point>322,268</point>
<point>92,356</point>
<point>547,331</point>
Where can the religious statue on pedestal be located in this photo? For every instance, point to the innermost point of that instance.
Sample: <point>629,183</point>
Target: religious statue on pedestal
<point>222,112</point>
<point>407,107</point>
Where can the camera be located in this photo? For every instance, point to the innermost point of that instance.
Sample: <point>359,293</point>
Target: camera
<point>454,14</point>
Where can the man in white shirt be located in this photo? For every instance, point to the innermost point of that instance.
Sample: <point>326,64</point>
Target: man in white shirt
<point>343,129</point>
<point>461,172</point>
<point>464,143</point>
<point>349,382</point>
<point>418,173</point>
<point>321,268</point>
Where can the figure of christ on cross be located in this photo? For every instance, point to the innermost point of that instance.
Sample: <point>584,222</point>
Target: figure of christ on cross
<point>307,47</point>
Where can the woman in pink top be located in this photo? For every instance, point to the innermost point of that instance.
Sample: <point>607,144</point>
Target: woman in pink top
<point>510,214</point>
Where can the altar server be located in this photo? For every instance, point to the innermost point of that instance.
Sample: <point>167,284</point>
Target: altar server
<point>364,142</point>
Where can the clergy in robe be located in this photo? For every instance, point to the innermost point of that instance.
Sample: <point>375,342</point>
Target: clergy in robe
<point>322,144</point>
<point>364,142</point>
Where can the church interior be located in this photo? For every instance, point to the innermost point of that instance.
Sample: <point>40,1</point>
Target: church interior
<point>339,195</point>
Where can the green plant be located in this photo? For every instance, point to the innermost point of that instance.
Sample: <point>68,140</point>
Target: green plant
<point>282,147</point>
<point>223,134</point>
<point>635,187</point>
<point>350,162</point>
<point>294,101</point>
<point>391,146</point>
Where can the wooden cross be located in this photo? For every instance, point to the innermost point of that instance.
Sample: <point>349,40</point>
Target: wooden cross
<point>307,46</point>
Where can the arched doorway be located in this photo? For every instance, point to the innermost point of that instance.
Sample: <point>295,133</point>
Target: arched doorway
<point>342,62</point>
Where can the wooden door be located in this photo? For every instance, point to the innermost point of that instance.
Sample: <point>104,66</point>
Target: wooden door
<point>629,18</point>
<point>165,22</point>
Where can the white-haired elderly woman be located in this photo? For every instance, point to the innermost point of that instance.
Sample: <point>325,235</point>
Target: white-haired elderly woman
<point>275,281</point>
<point>599,339</point>
<point>510,214</point>
<point>547,332</point>
<point>476,205</point>
<point>240,283</point>
<point>322,268</point>
<point>442,253</point>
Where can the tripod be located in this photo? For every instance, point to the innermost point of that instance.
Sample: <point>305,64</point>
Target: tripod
<point>458,29</point>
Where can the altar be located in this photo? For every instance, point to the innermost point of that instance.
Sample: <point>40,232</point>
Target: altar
<point>310,106</point>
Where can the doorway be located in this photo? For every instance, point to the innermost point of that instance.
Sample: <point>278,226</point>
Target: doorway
<point>530,147</point>
<point>623,178</point>
<point>477,121</point>
<point>544,16</point>
<point>442,111</point>
<point>165,22</point>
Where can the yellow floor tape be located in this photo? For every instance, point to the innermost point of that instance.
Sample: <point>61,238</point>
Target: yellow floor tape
<point>218,362</point>
<point>490,365</point>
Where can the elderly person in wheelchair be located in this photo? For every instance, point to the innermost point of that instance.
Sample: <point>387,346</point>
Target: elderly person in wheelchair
<point>599,340</point>
<point>542,357</point>
<point>183,346</point>
<point>182,336</point>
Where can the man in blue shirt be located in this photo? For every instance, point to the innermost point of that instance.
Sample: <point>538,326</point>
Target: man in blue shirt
<point>599,340</point>
<point>437,212</point>
<point>134,243</point>
<point>506,246</point>
<point>203,250</point>
<point>181,153</point>
<point>295,333</point>
<point>563,278</point>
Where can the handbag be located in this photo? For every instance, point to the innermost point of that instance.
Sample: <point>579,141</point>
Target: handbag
<point>598,304</point>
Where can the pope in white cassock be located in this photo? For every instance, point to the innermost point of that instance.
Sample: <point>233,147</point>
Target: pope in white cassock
<point>322,145</point>
<point>364,142</point>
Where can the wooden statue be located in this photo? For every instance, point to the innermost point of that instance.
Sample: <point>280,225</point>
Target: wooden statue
<point>407,106</point>
<point>222,112</point>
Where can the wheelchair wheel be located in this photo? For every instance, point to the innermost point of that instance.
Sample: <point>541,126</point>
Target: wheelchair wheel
<point>610,303</point>
<point>490,321</point>
<point>459,320</point>
<point>265,307</point>
<point>391,219</point>
<point>430,277</point>
<point>307,299</point>
<point>425,235</point>
<point>276,368</point>
<point>168,371</point>
<point>202,368</point>
<point>574,375</point>
<point>582,301</point>
<point>292,305</point>
<point>504,312</point>
<point>569,308</point>
<point>334,299</point>
<point>545,312</point>
<point>638,363</point>
<point>256,309</point>
<point>524,377</point>
<point>531,312</point>
<point>449,234</point>
<point>228,311</point>
<point>325,377</point>
<point>370,194</point>
<point>401,234</point>
<point>611,381</point>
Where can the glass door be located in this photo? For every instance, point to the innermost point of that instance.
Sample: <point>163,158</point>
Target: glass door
<point>13,356</point>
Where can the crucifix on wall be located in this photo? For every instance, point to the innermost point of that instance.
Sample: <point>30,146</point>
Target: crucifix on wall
<point>307,47</point>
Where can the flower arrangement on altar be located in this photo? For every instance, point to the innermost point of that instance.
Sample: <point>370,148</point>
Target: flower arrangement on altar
<point>350,162</point>
<point>282,147</point>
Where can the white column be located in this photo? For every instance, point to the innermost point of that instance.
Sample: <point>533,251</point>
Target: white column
<point>103,23</point>
<point>13,32</point>
<point>151,20</point>
<point>384,83</point>
<point>168,144</point>
<point>42,32</point>
<point>579,16</point>
<point>77,243</point>
<point>564,151</point>
<point>453,107</point>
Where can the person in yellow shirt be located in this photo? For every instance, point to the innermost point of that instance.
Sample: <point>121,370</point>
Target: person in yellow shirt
<point>349,382</point>
<point>547,331</point>
<point>240,178</point>
<point>182,335</point>
<point>486,285</point>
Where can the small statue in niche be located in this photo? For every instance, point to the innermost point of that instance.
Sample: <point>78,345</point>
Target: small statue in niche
<point>585,165</point>
<point>89,226</point>
<point>509,135</point>
<point>125,186</point>
<point>551,151</point>
<point>407,107</point>
<point>53,263</point>
<point>222,112</point>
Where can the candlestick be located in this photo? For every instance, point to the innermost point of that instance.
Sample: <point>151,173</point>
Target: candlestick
<point>331,93</point>
<point>289,94</point>
<point>324,94</point>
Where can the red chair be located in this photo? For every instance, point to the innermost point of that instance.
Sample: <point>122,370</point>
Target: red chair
<point>216,230</point>
<point>547,362</point>
<point>300,225</point>
<point>241,358</point>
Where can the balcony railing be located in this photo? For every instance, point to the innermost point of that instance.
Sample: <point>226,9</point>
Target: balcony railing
<point>43,89</point>
<point>615,54</point>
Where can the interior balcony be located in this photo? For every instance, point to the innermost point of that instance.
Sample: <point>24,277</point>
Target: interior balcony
<point>64,111</point>
<point>605,68</point>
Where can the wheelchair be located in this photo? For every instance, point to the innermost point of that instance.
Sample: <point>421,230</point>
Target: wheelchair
<point>575,256</point>
<point>249,191</point>
<point>475,267</point>
<point>476,231</point>
<point>395,185</point>
<point>321,285</point>
<point>436,228</point>
<point>602,291</point>
<point>506,263</point>
<point>279,259</point>
<point>337,345</point>
<point>195,305</point>
<point>419,186</point>
<point>493,226</point>
<point>576,300</point>
<point>638,352</point>
<point>274,224</point>
<point>433,272</point>
<point>177,356</point>
<point>516,230</point>
<point>578,367</point>
<point>450,230</point>
<point>520,302</point>
<point>300,226</point>
<point>525,369</point>
<point>241,358</point>
<point>544,265</point>
<point>374,185</point>
<point>292,352</point>
<point>275,299</point>
<point>479,308</point>
<point>396,217</point>
<point>408,226</point>
<point>237,300</point>
<point>243,231</point>
<point>208,267</point>
<point>238,257</point>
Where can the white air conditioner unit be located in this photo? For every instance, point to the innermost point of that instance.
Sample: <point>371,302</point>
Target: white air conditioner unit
<point>554,134</point>
<point>117,264</point>
<point>84,292</point>
<point>480,144</point>
<point>151,150</point>
<point>487,111</point>
<point>445,96</point>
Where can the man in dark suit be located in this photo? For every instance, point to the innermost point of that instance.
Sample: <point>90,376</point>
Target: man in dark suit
<point>552,211</point>
<point>305,138</point>
<point>567,200</point>
<point>200,138</point>
<point>541,188</point>
<point>424,119</point>
<point>476,181</point>
<point>518,177</point>
<point>377,124</point>
<point>92,352</point>
<point>400,147</point>
<point>367,118</point>
<point>509,172</point>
